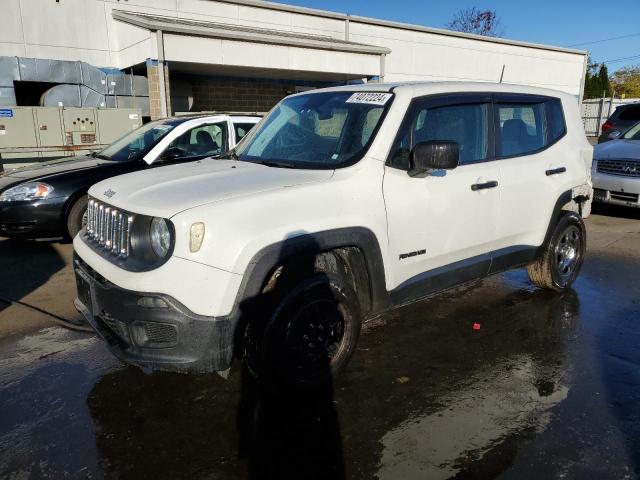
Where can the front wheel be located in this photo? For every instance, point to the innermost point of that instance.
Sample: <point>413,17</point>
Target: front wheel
<point>77,218</point>
<point>311,333</point>
<point>559,265</point>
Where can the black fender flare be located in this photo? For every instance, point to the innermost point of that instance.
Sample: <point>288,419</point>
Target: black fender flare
<point>269,257</point>
<point>565,198</point>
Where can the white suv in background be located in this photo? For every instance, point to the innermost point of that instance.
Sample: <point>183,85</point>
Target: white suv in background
<point>340,204</point>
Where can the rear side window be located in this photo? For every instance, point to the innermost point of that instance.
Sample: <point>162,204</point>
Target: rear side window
<point>630,113</point>
<point>242,129</point>
<point>468,125</point>
<point>522,128</point>
<point>526,128</point>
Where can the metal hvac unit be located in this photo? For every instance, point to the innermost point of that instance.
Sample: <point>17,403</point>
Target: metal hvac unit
<point>79,84</point>
<point>31,134</point>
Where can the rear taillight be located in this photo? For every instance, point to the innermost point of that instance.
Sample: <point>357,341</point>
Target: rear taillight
<point>607,126</point>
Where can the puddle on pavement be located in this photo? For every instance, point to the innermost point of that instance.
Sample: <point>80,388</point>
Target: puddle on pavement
<point>426,395</point>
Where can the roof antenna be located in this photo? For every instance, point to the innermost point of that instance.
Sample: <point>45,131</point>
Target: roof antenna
<point>502,74</point>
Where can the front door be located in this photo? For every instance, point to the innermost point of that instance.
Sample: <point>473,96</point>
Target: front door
<point>442,228</point>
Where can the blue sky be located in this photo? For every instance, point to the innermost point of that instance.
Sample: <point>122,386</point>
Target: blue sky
<point>559,22</point>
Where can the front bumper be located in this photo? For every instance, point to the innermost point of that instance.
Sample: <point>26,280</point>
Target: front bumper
<point>152,330</point>
<point>616,189</point>
<point>32,219</point>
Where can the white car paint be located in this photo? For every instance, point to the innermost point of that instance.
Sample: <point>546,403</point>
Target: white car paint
<point>246,207</point>
<point>626,182</point>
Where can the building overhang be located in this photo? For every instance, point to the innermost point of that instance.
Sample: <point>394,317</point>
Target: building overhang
<point>198,28</point>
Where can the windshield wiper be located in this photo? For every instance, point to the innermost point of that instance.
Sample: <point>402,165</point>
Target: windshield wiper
<point>271,163</point>
<point>98,155</point>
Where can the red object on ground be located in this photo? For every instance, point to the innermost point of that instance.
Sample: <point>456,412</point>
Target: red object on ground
<point>476,326</point>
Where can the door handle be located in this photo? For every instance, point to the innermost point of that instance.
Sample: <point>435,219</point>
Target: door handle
<point>483,186</point>
<point>555,171</point>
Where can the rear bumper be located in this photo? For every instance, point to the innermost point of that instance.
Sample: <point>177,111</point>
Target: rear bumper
<point>31,220</point>
<point>152,330</point>
<point>616,189</point>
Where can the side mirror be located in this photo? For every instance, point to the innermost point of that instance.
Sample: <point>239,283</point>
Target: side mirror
<point>433,155</point>
<point>613,135</point>
<point>172,154</point>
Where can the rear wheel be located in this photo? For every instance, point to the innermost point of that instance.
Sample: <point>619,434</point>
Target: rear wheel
<point>310,335</point>
<point>560,264</point>
<point>77,218</point>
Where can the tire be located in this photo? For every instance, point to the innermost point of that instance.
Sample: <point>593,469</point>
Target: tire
<point>559,265</point>
<point>310,335</point>
<point>76,219</point>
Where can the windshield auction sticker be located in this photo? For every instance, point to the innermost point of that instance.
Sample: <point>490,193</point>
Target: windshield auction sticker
<point>370,98</point>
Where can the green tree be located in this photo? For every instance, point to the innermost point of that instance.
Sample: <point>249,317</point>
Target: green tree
<point>603,81</point>
<point>597,81</point>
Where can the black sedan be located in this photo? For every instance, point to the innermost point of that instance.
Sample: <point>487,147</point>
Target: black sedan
<point>49,200</point>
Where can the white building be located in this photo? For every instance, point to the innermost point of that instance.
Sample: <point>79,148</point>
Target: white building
<point>244,55</point>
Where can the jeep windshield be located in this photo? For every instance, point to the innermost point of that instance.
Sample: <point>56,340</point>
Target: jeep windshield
<point>137,143</point>
<point>317,130</point>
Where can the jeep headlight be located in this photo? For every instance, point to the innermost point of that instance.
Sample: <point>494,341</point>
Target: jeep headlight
<point>160,236</point>
<point>27,191</point>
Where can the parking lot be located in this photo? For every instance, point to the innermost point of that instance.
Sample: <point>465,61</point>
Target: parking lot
<point>548,387</point>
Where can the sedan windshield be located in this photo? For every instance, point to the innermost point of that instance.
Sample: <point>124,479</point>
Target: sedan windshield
<point>136,144</point>
<point>317,130</point>
<point>633,133</point>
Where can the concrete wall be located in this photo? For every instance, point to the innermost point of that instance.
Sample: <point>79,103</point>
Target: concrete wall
<point>85,30</point>
<point>233,53</point>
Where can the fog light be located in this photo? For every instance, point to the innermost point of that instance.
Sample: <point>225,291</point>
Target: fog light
<point>152,302</point>
<point>197,237</point>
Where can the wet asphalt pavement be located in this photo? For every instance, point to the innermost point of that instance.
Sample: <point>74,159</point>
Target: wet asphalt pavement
<point>549,387</point>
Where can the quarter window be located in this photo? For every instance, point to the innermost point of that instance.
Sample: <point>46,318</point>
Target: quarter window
<point>556,118</point>
<point>467,125</point>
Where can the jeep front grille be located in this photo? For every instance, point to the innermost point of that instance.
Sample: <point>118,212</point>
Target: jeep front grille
<point>627,168</point>
<point>109,228</point>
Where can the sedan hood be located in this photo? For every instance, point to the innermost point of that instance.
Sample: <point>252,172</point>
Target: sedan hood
<point>617,149</point>
<point>167,191</point>
<point>41,170</point>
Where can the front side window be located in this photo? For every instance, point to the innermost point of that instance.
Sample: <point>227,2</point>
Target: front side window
<point>138,143</point>
<point>468,125</point>
<point>201,141</point>
<point>319,130</point>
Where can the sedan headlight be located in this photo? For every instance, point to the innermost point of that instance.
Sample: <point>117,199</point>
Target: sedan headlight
<point>160,236</point>
<point>27,191</point>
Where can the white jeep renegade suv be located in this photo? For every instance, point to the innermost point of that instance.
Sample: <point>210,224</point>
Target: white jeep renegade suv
<point>340,204</point>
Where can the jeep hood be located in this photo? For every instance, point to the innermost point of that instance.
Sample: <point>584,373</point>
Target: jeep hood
<point>167,191</point>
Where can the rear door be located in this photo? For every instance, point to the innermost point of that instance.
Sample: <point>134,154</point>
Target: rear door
<point>532,171</point>
<point>446,222</point>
